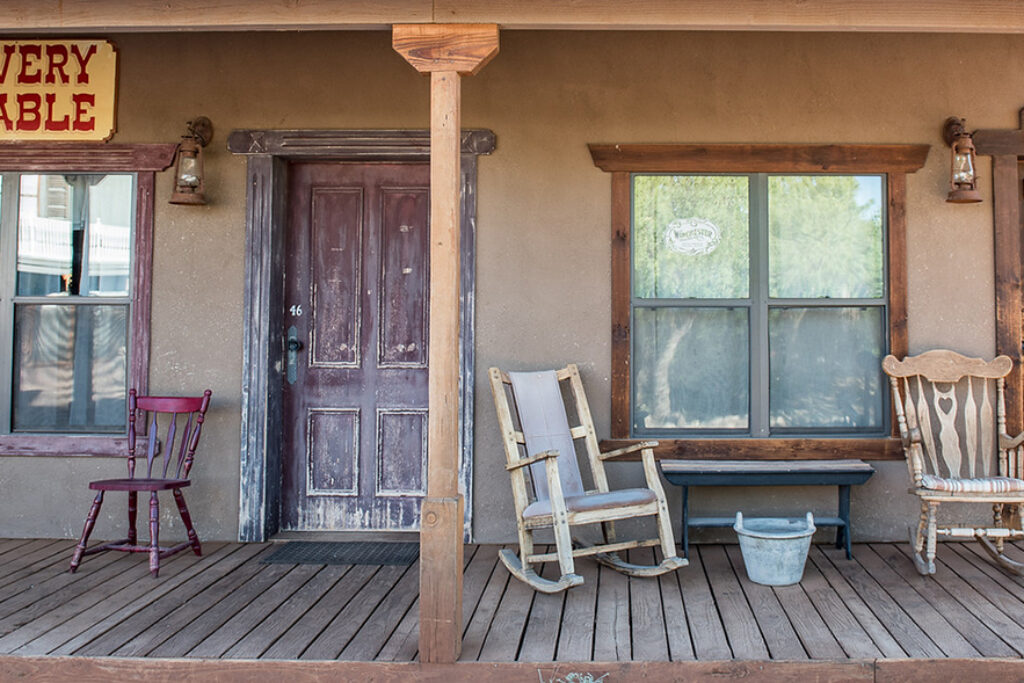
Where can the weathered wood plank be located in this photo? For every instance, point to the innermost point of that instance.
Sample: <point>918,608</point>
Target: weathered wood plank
<point>979,571</point>
<point>476,630</point>
<point>256,641</point>
<point>51,622</point>
<point>897,201</point>
<point>894,619</point>
<point>740,626</point>
<point>141,16</point>
<point>53,592</point>
<point>779,636</point>
<point>502,641</point>
<point>124,603</point>
<point>115,637</point>
<point>256,612</point>
<point>898,595</point>
<point>913,671</point>
<point>51,558</point>
<point>374,633</point>
<point>733,158</point>
<point>576,639</point>
<point>611,618</point>
<point>217,615</point>
<point>808,624</point>
<point>11,560</point>
<point>333,639</point>
<point>766,449</point>
<point>170,625</point>
<point>837,615</point>
<point>103,670</point>
<point>650,638</point>
<point>1009,275</point>
<point>49,575</point>
<point>622,222</point>
<point>540,636</point>
<point>957,605</point>
<point>296,639</point>
<point>908,593</point>
<point>404,642</point>
<point>709,639</point>
<point>680,646</point>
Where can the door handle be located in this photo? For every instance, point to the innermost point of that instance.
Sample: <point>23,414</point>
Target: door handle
<point>294,346</point>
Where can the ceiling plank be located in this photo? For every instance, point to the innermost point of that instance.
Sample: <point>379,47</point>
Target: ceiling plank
<point>122,16</point>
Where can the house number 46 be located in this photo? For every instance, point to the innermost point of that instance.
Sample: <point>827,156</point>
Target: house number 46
<point>296,310</point>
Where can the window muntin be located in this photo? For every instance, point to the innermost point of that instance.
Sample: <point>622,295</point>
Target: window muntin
<point>71,279</point>
<point>780,321</point>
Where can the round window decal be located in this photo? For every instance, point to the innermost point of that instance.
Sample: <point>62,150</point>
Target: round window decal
<point>692,236</point>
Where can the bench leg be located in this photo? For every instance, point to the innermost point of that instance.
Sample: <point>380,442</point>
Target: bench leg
<point>686,522</point>
<point>843,532</point>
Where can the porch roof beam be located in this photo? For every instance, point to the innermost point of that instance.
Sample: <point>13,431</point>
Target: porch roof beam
<point>123,16</point>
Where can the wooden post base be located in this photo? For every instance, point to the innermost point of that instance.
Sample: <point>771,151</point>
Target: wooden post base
<point>441,560</point>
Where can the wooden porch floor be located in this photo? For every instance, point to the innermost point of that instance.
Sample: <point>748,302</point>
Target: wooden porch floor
<point>229,605</point>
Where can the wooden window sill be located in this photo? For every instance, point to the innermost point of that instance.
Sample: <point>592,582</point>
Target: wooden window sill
<point>64,445</point>
<point>768,449</point>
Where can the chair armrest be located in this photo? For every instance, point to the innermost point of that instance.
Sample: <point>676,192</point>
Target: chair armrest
<point>632,448</point>
<point>1006,441</point>
<point>532,459</point>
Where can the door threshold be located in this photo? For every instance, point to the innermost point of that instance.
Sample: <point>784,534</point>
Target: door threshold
<point>346,536</point>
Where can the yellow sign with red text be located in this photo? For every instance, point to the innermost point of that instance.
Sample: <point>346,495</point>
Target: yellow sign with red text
<point>57,89</point>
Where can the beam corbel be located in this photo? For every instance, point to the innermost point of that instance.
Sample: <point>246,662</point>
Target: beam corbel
<point>446,52</point>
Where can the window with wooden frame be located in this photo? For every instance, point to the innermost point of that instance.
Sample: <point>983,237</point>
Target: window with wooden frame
<point>755,289</point>
<point>76,227</point>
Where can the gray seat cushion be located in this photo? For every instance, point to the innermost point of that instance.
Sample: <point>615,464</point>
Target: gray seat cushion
<point>593,501</point>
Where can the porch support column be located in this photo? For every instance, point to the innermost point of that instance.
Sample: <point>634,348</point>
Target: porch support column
<point>446,52</point>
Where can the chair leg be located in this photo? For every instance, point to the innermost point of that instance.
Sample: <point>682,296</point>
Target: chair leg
<point>133,511</point>
<point>193,537</point>
<point>90,521</point>
<point>997,522</point>
<point>932,533</point>
<point>154,534</point>
<point>919,539</point>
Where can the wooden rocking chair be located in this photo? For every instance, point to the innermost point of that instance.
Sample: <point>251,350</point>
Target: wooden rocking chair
<point>539,443</point>
<point>952,421</point>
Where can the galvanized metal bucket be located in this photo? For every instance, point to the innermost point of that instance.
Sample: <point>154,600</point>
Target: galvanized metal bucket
<point>774,548</point>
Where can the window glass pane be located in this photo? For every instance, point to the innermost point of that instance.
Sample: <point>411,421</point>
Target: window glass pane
<point>690,237</point>
<point>824,366</point>
<point>70,366</point>
<point>825,236</point>
<point>691,367</point>
<point>74,234</point>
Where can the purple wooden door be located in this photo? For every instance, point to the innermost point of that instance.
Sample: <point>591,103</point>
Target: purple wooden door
<point>356,292</point>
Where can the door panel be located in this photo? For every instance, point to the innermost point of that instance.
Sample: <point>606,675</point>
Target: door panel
<point>356,286</point>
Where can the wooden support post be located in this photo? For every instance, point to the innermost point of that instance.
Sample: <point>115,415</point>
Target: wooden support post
<point>1006,147</point>
<point>445,52</point>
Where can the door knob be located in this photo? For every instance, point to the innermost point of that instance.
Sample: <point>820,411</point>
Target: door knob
<point>292,359</point>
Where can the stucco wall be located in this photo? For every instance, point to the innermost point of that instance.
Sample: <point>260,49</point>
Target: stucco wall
<point>543,257</point>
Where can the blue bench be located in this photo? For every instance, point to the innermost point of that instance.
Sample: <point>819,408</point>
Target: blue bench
<point>841,473</point>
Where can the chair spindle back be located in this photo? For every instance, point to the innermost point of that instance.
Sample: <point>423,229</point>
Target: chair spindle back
<point>177,448</point>
<point>952,407</point>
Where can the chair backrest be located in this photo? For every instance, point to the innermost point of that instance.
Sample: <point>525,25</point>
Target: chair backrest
<point>953,407</point>
<point>533,418</point>
<point>179,419</point>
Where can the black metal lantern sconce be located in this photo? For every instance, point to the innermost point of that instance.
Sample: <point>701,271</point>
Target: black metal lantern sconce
<point>963,180</point>
<point>189,182</point>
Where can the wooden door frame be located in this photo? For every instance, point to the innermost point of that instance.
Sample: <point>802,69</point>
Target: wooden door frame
<point>268,154</point>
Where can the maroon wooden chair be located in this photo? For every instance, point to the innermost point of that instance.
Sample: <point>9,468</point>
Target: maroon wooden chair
<point>179,446</point>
